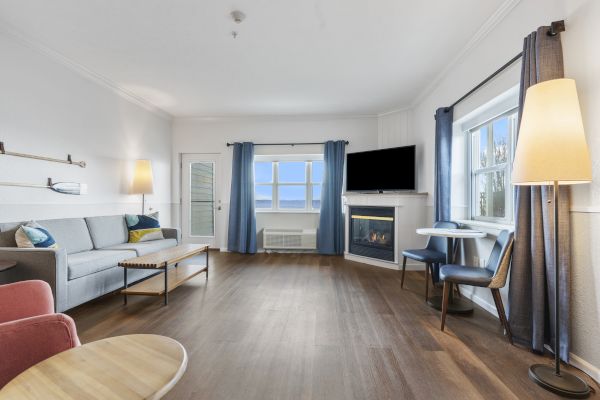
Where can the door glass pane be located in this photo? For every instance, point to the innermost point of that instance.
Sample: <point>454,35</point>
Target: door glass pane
<point>490,200</point>
<point>263,196</point>
<point>292,196</point>
<point>317,172</point>
<point>263,172</point>
<point>292,172</point>
<point>202,221</point>
<point>316,197</point>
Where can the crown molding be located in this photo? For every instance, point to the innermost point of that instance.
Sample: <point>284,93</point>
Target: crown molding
<point>275,117</point>
<point>82,70</point>
<point>499,15</point>
<point>394,111</point>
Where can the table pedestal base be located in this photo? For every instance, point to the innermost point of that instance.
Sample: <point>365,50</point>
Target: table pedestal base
<point>457,306</point>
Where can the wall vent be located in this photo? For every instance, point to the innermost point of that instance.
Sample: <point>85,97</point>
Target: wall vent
<point>290,239</point>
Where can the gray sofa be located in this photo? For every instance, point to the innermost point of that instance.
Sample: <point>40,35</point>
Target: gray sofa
<point>85,264</point>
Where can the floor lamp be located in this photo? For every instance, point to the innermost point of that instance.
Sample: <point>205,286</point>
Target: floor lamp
<point>552,150</point>
<point>143,180</point>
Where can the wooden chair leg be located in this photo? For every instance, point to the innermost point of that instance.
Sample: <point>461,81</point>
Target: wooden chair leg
<point>445,296</point>
<point>403,272</point>
<point>458,290</point>
<point>427,266</point>
<point>502,313</point>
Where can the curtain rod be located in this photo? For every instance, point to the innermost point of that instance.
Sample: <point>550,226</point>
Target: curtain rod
<point>555,28</point>
<point>286,144</point>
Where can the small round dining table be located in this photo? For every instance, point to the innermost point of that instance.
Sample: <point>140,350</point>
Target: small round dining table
<point>455,305</point>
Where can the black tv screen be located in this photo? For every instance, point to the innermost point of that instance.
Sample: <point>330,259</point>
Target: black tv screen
<point>381,170</point>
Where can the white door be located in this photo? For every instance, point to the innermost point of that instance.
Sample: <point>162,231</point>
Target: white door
<point>200,205</point>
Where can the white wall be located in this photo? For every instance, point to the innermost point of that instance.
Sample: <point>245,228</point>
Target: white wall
<point>582,63</point>
<point>199,135</point>
<point>47,109</point>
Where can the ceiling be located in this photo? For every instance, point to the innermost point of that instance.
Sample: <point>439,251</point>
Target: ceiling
<point>291,57</point>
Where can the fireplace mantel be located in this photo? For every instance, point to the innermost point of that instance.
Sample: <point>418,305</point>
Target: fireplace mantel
<point>410,213</point>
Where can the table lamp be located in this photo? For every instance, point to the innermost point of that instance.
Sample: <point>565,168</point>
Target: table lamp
<point>143,180</point>
<point>552,150</point>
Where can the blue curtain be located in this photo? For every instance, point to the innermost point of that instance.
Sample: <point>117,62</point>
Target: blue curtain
<point>241,235</point>
<point>443,162</point>
<point>532,287</point>
<point>330,239</point>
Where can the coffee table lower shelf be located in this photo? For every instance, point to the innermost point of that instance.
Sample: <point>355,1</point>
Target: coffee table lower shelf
<point>155,286</point>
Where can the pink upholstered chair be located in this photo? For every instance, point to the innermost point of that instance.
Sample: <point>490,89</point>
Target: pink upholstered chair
<point>30,331</point>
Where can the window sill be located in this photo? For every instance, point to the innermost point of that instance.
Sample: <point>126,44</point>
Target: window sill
<point>287,211</point>
<point>491,228</point>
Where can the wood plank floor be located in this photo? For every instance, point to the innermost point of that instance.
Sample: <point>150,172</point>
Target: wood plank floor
<point>303,326</point>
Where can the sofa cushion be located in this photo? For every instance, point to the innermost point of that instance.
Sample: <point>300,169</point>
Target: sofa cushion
<point>71,234</point>
<point>107,230</point>
<point>144,248</point>
<point>90,262</point>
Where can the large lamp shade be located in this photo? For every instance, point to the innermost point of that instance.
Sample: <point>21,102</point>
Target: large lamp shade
<point>143,180</point>
<point>551,145</point>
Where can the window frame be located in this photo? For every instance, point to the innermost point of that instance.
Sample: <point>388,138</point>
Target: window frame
<point>474,173</point>
<point>308,184</point>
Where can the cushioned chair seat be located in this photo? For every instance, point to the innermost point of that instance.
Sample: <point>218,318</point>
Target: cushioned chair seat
<point>90,262</point>
<point>145,247</point>
<point>425,255</point>
<point>473,276</point>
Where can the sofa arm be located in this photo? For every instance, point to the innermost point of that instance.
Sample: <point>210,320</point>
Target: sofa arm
<point>172,233</point>
<point>26,342</point>
<point>25,299</point>
<point>49,265</point>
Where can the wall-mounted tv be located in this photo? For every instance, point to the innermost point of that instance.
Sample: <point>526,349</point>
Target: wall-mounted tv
<point>381,170</point>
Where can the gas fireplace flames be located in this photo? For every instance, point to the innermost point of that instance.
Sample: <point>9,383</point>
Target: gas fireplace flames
<point>377,237</point>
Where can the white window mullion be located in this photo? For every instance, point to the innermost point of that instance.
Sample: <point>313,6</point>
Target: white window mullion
<point>276,185</point>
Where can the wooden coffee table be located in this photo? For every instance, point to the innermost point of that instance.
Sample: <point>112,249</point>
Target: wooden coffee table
<point>161,285</point>
<point>121,367</point>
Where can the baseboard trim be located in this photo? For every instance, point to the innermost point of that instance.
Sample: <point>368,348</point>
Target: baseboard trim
<point>580,363</point>
<point>575,360</point>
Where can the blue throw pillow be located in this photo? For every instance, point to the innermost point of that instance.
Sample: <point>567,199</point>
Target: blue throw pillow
<point>33,235</point>
<point>143,228</point>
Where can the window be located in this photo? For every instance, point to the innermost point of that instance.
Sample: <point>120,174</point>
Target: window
<point>289,183</point>
<point>492,149</point>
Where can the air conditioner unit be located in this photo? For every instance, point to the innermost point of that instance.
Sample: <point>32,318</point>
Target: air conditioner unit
<point>289,239</point>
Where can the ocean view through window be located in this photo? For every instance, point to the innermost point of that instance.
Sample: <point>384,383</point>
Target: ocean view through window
<point>288,183</point>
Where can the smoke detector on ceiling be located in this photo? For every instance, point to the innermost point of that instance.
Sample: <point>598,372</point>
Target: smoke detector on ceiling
<point>238,16</point>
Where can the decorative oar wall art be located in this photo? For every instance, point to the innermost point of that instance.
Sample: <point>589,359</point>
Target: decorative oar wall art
<point>59,187</point>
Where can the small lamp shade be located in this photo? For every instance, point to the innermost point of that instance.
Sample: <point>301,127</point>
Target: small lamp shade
<point>551,145</point>
<point>143,180</point>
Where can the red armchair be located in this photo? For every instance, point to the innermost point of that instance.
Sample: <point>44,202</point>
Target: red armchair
<point>30,331</point>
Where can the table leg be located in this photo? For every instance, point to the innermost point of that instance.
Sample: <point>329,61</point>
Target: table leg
<point>206,264</point>
<point>166,285</point>
<point>455,306</point>
<point>125,285</point>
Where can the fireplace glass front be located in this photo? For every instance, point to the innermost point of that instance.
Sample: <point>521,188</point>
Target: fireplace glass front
<point>372,232</point>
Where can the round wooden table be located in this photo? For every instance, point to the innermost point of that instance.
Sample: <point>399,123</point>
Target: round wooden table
<point>455,306</point>
<point>121,367</point>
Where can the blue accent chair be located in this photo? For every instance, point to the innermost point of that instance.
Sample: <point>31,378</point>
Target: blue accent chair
<point>434,253</point>
<point>493,276</point>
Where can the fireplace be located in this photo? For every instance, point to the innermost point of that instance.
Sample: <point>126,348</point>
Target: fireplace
<point>372,232</point>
